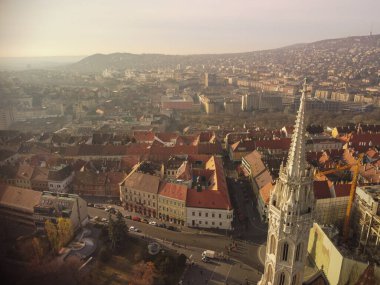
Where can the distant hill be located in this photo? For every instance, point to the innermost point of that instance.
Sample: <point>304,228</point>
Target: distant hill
<point>25,63</point>
<point>286,55</point>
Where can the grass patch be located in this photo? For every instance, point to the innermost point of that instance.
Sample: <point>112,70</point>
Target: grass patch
<point>132,264</point>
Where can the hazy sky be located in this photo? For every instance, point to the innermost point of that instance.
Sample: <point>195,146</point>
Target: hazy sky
<point>79,27</point>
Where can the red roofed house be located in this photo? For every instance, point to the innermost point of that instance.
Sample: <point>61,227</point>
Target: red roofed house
<point>138,193</point>
<point>208,203</point>
<point>172,202</point>
<point>263,200</point>
<point>240,149</point>
<point>143,136</point>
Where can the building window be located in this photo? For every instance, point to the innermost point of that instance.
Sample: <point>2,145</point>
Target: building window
<point>200,214</point>
<point>272,244</point>
<point>285,250</point>
<point>281,281</point>
<point>294,280</point>
<point>200,222</point>
<point>206,215</point>
<point>213,223</point>
<point>206,223</point>
<point>220,223</point>
<point>220,216</point>
<point>298,252</point>
<point>213,215</point>
<point>270,273</point>
<point>193,213</point>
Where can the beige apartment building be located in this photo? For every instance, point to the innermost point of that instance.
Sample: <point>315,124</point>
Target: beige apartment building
<point>172,202</point>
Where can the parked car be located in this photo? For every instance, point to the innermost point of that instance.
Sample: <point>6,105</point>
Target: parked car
<point>161,225</point>
<point>104,220</point>
<point>145,221</point>
<point>136,219</point>
<point>112,211</point>
<point>134,229</point>
<point>96,218</point>
<point>172,228</point>
<point>153,223</point>
<point>205,259</point>
<point>90,205</point>
<point>99,206</point>
<point>127,216</point>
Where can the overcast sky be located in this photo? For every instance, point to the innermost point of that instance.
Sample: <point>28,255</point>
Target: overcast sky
<point>84,27</point>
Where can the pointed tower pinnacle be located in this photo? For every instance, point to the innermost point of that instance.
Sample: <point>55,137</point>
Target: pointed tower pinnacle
<point>296,161</point>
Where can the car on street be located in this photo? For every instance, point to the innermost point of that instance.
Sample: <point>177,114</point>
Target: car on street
<point>99,206</point>
<point>162,225</point>
<point>145,221</point>
<point>172,228</point>
<point>127,216</point>
<point>96,218</point>
<point>205,259</point>
<point>136,219</point>
<point>134,229</point>
<point>153,223</point>
<point>104,220</point>
<point>90,205</point>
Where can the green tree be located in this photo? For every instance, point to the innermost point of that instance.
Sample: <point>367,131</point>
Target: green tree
<point>59,235</point>
<point>65,231</point>
<point>117,230</point>
<point>52,234</point>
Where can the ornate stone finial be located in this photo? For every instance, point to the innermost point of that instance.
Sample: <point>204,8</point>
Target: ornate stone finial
<point>296,159</point>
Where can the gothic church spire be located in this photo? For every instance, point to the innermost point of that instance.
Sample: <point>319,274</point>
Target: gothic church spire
<point>296,160</point>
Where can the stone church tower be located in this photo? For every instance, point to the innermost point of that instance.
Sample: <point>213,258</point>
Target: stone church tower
<point>291,208</point>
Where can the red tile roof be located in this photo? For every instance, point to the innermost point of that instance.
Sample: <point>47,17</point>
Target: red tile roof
<point>263,179</point>
<point>167,137</point>
<point>281,144</point>
<point>143,136</point>
<point>265,192</point>
<point>216,195</point>
<point>174,191</point>
<point>19,198</point>
<point>243,146</point>
<point>142,182</point>
<point>208,199</point>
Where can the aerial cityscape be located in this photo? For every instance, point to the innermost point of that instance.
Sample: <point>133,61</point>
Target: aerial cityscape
<point>215,142</point>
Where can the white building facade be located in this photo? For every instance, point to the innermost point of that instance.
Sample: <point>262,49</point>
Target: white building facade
<point>209,218</point>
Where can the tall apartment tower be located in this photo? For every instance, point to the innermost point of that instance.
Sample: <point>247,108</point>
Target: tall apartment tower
<point>291,208</point>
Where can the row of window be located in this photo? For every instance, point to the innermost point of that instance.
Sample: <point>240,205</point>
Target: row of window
<point>165,201</point>
<point>171,211</point>
<point>282,278</point>
<point>285,249</point>
<point>212,223</point>
<point>138,193</point>
<point>206,215</point>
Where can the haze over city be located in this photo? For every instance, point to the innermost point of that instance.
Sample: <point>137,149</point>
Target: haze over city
<point>77,28</point>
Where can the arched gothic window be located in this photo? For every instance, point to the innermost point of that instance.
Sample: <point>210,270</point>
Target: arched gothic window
<point>285,250</point>
<point>294,280</point>
<point>281,281</point>
<point>270,273</point>
<point>298,252</point>
<point>272,246</point>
